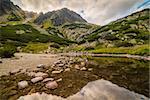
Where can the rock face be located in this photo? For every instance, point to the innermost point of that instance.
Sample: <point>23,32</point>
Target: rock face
<point>60,17</point>
<point>22,84</point>
<point>8,8</point>
<point>96,90</point>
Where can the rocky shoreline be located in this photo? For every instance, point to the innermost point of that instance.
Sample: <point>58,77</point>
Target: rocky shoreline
<point>65,77</point>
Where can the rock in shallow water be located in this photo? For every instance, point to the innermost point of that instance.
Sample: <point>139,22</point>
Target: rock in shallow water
<point>96,90</point>
<point>36,79</point>
<point>23,84</point>
<point>52,85</point>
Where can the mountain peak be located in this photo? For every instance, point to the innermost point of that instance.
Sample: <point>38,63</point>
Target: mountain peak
<point>60,17</point>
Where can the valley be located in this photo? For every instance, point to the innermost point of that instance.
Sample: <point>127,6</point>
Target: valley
<point>59,53</point>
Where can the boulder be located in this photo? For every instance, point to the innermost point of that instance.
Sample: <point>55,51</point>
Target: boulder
<point>23,84</point>
<point>52,85</point>
<point>36,79</point>
<point>48,79</point>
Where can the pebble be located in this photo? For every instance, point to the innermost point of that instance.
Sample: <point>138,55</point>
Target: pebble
<point>41,74</point>
<point>15,71</point>
<point>48,79</point>
<point>76,67</point>
<point>59,80</point>
<point>23,84</point>
<point>83,69</point>
<point>83,63</point>
<point>52,85</point>
<point>40,66</point>
<point>1,61</point>
<point>67,69</point>
<point>57,72</point>
<point>90,69</point>
<point>36,79</point>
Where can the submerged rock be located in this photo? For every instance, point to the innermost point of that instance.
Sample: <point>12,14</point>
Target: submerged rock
<point>37,79</point>
<point>52,85</point>
<point>23,84</point>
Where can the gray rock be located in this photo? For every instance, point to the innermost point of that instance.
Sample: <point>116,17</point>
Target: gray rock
<point>36,79</point>
<point>52,85</point>
<point>23,84</point>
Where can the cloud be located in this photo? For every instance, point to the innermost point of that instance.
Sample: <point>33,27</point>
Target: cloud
<point>94,11</point>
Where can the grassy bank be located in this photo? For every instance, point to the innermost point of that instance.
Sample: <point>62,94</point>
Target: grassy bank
<point>143,50</point>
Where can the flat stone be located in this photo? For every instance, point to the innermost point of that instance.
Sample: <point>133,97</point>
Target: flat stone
<point>52,85</point>
<point>36,79</point>
<point>23,84</point>
<point>48,79</point>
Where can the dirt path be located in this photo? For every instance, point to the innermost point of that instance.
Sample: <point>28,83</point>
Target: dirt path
<point>25,61</point>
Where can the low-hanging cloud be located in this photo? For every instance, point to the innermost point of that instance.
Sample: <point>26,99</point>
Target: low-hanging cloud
<point>94,11</point>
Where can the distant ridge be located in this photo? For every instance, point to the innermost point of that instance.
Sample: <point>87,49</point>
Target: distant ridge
<point>60,17</point>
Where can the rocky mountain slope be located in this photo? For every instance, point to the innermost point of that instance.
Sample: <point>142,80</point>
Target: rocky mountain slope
<point>10,12</point>
<point>59,17</point>
<point>128,31</point>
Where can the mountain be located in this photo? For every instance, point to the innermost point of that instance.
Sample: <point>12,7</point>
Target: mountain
<point>59,17</point>
<point>10,12</point>
<point>128,31</point>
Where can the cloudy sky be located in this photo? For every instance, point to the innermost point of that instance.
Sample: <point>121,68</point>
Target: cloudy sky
<point>94,11</point>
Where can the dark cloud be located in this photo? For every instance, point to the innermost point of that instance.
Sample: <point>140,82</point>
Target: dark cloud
<point>95,11</point>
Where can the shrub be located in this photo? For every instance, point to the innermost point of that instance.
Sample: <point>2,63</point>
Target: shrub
<point>7,51</point>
